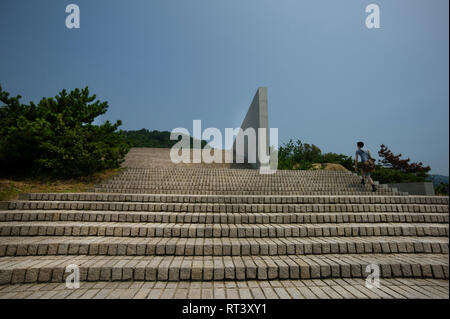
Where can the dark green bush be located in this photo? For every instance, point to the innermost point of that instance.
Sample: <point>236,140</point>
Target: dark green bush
<point>56,137</point>
<point>302,155</point>
<point>158,139</point>
<point>442,189</point>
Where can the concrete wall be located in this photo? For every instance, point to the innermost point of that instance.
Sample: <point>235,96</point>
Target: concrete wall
<point>415,188</point>
<point>256,117</point>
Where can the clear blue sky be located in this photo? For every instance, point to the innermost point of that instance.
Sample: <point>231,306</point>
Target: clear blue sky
<point>162,63</point>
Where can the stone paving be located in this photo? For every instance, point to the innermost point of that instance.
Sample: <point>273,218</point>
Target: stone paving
<point>273,289</point>
<point>216,181</point>
<point>164,231</point>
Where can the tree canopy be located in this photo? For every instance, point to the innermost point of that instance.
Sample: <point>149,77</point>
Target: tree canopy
<point>57,136</point>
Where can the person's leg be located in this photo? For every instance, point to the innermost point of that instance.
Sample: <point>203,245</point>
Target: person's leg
<point>369,178</point>
<point>363,180</point>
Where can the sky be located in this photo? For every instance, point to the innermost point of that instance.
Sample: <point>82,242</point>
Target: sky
<point>161,64</point>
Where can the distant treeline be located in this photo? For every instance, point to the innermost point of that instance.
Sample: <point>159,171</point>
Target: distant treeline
<point>158,139</point>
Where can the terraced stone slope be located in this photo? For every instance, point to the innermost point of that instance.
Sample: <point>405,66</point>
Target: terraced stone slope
<point>200,224</point>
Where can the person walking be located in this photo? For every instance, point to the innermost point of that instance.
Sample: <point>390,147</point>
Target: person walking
<point>367,165</point>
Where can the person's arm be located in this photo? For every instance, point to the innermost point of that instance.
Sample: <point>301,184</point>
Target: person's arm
<point>356,162</point>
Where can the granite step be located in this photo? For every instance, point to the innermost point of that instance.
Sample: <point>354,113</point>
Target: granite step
<point>221,218</point>
<point>124,229</point>
<point>348,288</point>
<point>221,207</point>
<point>238,192</point>
<point>116,246</point>
<point>32,269</point>
<point>236,199</point>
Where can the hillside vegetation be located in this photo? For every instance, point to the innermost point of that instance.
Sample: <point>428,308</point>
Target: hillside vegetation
<point>56,137</point>
<point>158,139</point>
<point>390,168</point>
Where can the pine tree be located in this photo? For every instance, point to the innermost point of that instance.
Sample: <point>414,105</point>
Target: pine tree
<point>57,136</point>
<point>390,160</point>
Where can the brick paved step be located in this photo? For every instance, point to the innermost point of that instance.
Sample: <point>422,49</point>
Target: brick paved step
<point>154,187</point>
<point>222,207</point>
<point>227,172</point>
<point>348,288</point>
<point>237,181</point>
<point>123,229</point>
<point>245,187</point>
<point>33,246</point>
<point>239,177</point>
<point>236,192</point>
<point>250,184</point>
<point>221,218</point>
<point>31,269</point>
<point>232,175</point>
<point>235,199</point>
<point>225,175</point>
<point>220,178</point>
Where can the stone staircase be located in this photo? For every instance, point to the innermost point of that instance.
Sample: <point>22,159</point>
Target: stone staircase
<point>218,224</point>
<point>225,181</point>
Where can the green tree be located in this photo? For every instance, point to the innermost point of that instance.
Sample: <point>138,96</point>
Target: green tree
<point>442,189</point>
<point>57,136</point>
<point>394,169</point>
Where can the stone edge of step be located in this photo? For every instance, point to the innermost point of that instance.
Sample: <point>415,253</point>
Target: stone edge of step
<point>174,269</point>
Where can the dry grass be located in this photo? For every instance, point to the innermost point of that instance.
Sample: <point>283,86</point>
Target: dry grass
<point>328,167</point>
<point>10,188</point>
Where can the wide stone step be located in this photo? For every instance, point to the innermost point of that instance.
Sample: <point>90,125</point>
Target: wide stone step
<point>235,199</point>
<point>222,207</point>
<point>123,229</point>
<point>221,218</point>
<point>245,185</point>
<point>32,269</point>
<point>33,246</point>
<point>164,171</point>
<point>237,176</point>
<point>248,188</point>
<point>349,288</point>
<point>238,181</point>
<point>261,178</point>
<point>249,184</point>
<point>239,187</point>
<point>236,192</point>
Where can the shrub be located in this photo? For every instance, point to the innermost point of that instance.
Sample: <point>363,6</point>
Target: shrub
<point>158,139</point>
<point>302,155</point>
<point>442,189</point>
<point>56,137</point>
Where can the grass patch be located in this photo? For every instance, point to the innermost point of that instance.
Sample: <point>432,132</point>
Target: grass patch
<point>11,187</point>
